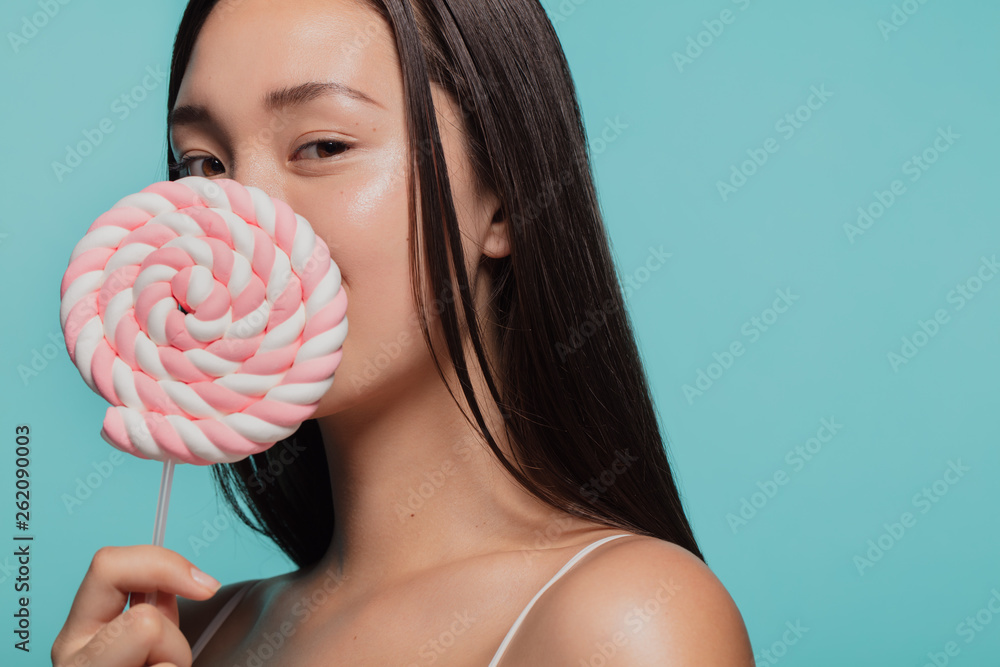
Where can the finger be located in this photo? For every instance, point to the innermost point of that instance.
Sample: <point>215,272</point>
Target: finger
<point>116,571</point>
<point>165,602</point>
<point>140,636</point>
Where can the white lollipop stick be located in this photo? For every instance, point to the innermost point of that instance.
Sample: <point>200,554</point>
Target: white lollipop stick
<point>166,480</point>
<point>162,504</point>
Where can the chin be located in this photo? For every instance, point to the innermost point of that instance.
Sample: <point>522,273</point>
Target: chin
<point>338,398</point>
<point>350,388</point>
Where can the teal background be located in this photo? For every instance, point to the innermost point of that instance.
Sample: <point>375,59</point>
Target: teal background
<point>679,132</point>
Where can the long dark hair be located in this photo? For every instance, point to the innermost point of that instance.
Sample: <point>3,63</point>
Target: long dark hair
<point>569,381</point>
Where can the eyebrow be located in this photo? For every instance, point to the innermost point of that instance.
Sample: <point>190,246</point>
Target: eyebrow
<point>190,114</point>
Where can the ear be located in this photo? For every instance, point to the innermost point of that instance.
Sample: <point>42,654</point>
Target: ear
<point>496,244</point>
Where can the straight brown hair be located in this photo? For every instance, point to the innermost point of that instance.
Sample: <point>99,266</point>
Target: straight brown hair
<point>575,400</point>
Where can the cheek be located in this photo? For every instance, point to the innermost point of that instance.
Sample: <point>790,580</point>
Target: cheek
<point>363,219</point>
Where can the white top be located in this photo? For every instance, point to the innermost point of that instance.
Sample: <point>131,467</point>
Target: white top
<point>230,605</point>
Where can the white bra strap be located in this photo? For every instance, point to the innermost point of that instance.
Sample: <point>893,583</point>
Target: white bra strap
<point>219,619</point>
<point>572,561</point>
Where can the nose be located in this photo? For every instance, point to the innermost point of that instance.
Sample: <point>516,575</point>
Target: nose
<point>260,171</point>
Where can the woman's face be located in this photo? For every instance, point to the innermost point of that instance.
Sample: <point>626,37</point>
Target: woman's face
<point>304,100</point>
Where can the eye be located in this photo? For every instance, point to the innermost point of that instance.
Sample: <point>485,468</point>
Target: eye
<point>324,148</point>
<point>184,164</point>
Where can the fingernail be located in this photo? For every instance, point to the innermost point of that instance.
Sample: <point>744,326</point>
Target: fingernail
<point>205,580</point>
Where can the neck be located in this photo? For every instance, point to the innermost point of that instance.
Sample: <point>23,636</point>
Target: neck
<point>415,487</point>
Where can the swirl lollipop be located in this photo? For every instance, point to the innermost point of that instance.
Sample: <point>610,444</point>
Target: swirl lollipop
<point>209,315</point>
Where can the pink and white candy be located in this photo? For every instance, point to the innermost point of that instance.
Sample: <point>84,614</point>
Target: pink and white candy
<point>208,314</point>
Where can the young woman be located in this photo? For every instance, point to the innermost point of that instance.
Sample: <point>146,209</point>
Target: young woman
<point>485,483</point>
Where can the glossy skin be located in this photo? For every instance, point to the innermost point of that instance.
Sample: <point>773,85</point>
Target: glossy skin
<point>479,543</point>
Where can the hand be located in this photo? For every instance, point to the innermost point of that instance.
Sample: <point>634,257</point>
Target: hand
<point>98,633</point>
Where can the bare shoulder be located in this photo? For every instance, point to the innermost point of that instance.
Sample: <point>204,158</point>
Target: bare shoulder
<point>195,615</point>
<point>643,600</point>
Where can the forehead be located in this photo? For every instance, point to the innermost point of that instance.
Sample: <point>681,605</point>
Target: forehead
<point>247,48</point>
